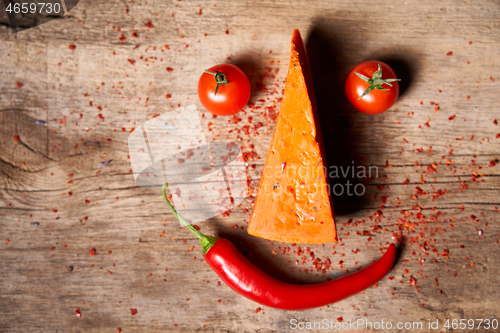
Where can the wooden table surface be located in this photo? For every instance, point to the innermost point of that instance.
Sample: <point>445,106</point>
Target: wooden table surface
<point>436,151</point>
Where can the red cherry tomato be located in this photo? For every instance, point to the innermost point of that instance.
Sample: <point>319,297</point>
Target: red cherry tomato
<point>224,90</point>
<point>372,87</point>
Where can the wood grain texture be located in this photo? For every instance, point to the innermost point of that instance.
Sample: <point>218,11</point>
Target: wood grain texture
<point>54,191</point>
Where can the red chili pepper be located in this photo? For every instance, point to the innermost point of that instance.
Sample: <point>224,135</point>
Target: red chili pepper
<point>246,279</point>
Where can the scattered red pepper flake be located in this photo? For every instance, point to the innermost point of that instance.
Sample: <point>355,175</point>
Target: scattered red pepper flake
<point>449,53</point>
<point>340,319</point>
<point>169,69</point>
<point>168,96</point>
<point>132,61</point>
<point>452,117</point>
<point>122,38</point>
<point>432,168</point>
<point>258,310</point>
<point>72,47</point>
<point>16,138</point>
<point>412,281</point>
<point>92,251</point>
<point>133,312</point>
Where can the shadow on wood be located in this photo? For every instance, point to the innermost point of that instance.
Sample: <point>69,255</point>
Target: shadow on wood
<point>337,116</point>
<point>249,65</point>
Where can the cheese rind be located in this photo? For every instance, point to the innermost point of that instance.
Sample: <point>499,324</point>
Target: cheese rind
<point>293,203</point>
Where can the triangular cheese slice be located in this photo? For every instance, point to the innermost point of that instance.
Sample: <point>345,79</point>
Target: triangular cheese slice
<point>293,203</point>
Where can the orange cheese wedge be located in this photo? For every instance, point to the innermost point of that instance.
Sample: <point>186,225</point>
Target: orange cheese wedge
<point>293,203</point>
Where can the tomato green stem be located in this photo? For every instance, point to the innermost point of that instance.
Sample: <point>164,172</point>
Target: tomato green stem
<point>206,241</point>
<point>220,79</point>
<point>375,82</point>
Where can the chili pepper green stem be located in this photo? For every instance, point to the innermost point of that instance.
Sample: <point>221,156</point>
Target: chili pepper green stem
<point>375,82</point>
<point>220,79</point>
<point>206,241</point>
